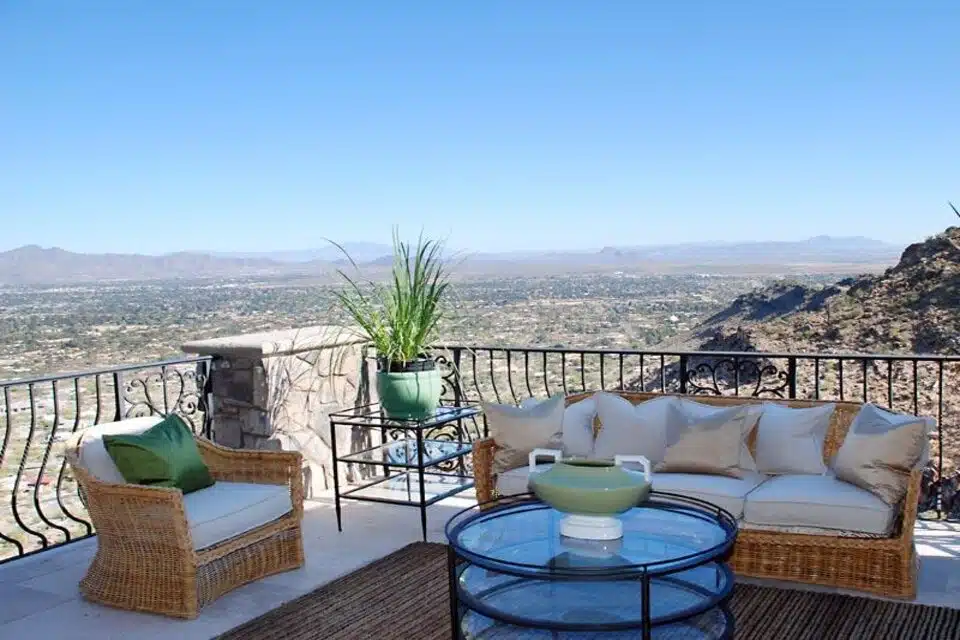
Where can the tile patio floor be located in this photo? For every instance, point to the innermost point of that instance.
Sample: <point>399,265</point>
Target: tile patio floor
<point>39,597</point>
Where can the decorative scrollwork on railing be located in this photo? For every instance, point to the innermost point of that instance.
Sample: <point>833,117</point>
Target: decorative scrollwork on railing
<point>171,390</point>
<point>451,432</point>
<point>755,377</point>
<point>449,378</point>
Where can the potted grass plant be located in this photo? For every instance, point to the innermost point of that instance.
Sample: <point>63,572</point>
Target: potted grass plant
<point>400,316</point>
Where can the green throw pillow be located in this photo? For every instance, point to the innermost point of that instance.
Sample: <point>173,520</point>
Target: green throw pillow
<point>165,455</point>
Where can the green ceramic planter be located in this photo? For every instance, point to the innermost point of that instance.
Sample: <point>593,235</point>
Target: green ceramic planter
<point>409,394</point>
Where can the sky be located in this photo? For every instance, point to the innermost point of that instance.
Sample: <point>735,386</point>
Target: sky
<point>150,127</point>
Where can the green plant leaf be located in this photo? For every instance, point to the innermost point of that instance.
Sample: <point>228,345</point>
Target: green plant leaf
<point>401,316</point>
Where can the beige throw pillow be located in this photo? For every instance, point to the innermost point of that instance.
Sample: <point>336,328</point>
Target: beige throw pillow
<point>578,428</point>
<point>632,429</point>
<point>519,430</point>
<point>711,444</point>
<point>880,450</point>
<point>697,410</point>
<point>791,440</point>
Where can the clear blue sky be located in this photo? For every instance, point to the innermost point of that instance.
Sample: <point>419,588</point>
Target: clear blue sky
<point>155,126</point>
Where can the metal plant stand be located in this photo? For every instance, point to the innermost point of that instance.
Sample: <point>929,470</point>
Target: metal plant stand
<point>422,461</point>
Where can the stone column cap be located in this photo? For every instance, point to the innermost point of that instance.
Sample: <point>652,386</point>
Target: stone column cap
<point>276,343</point>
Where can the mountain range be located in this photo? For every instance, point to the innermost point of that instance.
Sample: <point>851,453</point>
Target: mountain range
<point>33,264</point>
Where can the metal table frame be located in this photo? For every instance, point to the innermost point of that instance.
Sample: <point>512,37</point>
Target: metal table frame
<point>371,417</point>
<point>458,559</point>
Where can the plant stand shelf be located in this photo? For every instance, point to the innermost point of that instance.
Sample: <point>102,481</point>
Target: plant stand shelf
<point>420,461</point>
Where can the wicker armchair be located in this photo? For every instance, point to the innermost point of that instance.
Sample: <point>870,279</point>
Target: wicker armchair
<point>885,566</point>
<point>146,558</point>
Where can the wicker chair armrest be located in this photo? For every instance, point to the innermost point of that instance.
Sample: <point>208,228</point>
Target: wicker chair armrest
<point>137,516</point>
<point>256,466</point>
<point>911,504</point>
<point>483,452</point>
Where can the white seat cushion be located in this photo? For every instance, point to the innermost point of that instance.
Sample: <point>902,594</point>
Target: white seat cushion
<point>725,492</point>
<point>818,501</point>
<point>514,481</point>
<point>229,509</point>
<point>93,455</point>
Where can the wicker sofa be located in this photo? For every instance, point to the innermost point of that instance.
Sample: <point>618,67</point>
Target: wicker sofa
<point>882,565</point>
<point>163,552</point>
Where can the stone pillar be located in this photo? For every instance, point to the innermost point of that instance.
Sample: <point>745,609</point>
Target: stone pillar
<point>276,390</point>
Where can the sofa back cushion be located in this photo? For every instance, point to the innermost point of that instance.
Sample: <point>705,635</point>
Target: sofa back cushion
<point>840,421</point>
<point>791,440</point>
<point>519,430</point>
<point>693,411</point>
<point>92,454</point>
<point>880,451</point>
<point>633,429</point>
<point>577,433</point>
<point>712,443</point>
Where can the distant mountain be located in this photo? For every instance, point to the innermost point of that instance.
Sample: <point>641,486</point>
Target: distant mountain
<point>821,249</point>
<point>359,251</point>
<point>36,265</point>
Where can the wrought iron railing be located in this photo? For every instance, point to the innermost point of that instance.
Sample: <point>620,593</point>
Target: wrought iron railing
<point>927,385</point>
<point>43,506</point>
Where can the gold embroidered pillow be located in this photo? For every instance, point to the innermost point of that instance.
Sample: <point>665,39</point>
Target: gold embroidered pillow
<point>710,444</point>
<point>880,450</point>
<point>519,430</point>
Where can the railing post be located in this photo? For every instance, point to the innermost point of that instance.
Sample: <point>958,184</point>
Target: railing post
<point>205,369</point>
<point>683,374</point>
<point>792,377</point>
<point>118,396</point>
<point>457,391</point>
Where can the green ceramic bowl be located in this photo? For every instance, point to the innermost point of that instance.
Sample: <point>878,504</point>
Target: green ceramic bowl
<point>590,487</point>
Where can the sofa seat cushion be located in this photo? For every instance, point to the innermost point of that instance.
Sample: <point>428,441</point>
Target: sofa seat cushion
<point>229,509</point>
<point>514,481</point>
<point>810,531</point>
<point>823,502</point>
<point>726,492</point>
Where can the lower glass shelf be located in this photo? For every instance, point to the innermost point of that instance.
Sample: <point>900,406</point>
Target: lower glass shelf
<point>715,624</point>
<point>404,488</point>
<point>572,604</point>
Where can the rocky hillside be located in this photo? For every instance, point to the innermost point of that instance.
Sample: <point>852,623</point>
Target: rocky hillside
<point>913,307</point>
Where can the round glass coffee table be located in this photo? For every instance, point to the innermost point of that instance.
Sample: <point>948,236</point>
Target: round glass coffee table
<point>513,575</point>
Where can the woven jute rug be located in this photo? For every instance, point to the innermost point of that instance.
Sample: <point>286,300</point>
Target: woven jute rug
<point>404,596</point>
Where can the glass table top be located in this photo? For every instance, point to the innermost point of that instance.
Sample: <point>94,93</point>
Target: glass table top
<point>403,453</point>
<point>665,534</point>
<point>373,416</point>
